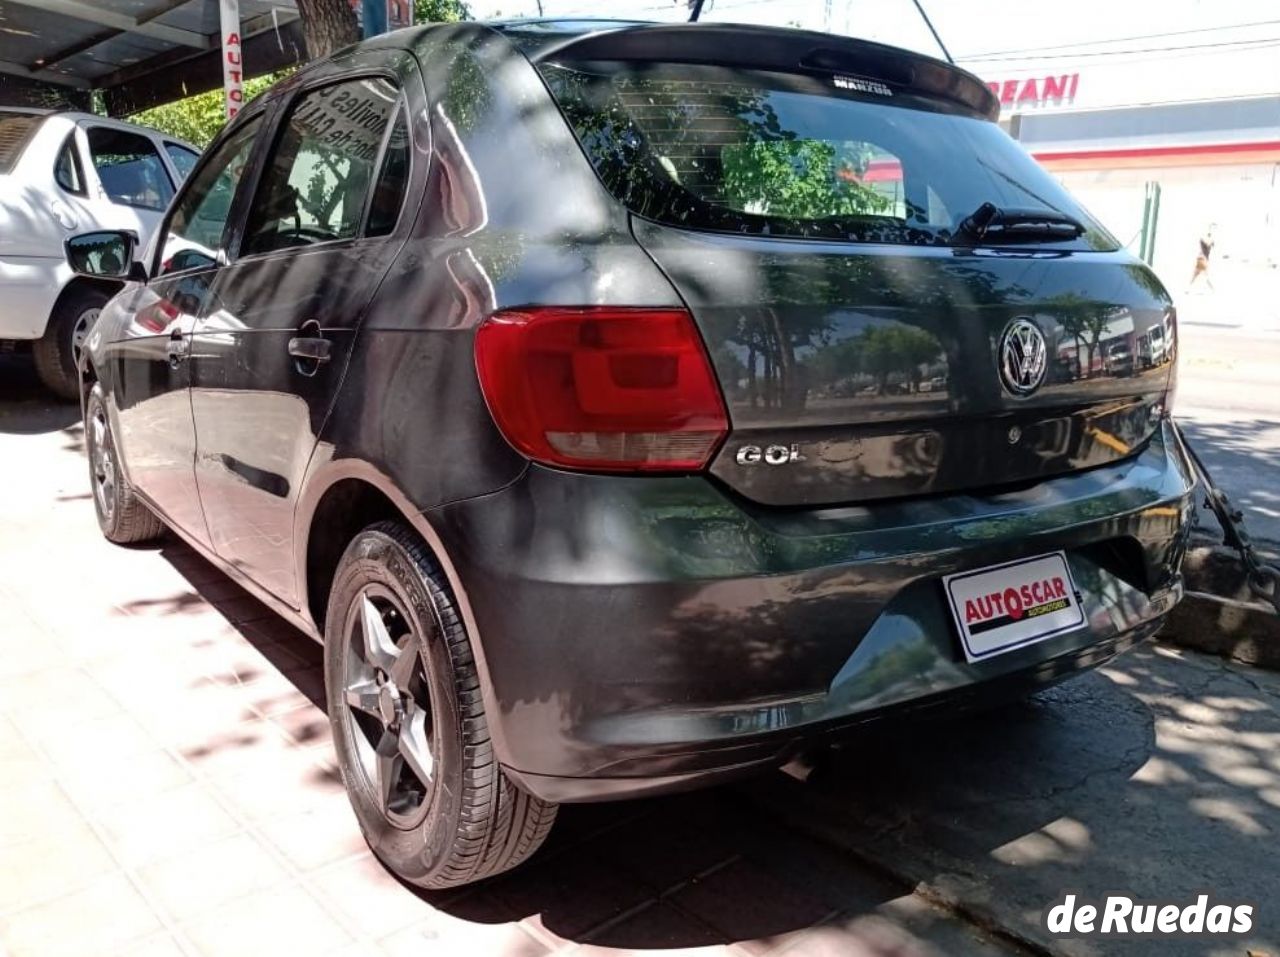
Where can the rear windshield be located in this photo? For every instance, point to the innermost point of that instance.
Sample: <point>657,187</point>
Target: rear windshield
<point>15,130</point>
<point>797,156</point>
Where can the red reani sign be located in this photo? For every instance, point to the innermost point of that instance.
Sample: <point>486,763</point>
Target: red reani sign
<point>1036,91</point>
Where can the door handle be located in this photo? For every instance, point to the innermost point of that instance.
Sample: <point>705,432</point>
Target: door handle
<point>310,348</point>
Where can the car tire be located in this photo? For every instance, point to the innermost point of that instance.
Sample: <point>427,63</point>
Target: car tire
<point>409,723</point>
<point>122,516</point>
<point>57,351</point>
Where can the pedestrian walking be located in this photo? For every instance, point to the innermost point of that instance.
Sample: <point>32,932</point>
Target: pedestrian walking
<point>1202,260</point>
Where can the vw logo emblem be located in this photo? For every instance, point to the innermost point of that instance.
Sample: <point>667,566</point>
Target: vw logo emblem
<point>1024,357</point>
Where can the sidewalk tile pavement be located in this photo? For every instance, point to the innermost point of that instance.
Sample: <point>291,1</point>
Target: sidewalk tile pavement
<point>167,785</point>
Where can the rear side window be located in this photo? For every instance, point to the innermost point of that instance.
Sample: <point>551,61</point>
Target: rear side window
<point>318,176</point>
<point>16,130</point>
<point>129,168</point>
<point>67,170</point>
<point>183,159</point>
<point>795,156</point>
<point>393,181</point>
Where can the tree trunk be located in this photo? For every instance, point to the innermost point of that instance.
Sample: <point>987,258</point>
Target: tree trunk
<point>327,25</point>
<point>787,383</point>
<point>1093,350</point>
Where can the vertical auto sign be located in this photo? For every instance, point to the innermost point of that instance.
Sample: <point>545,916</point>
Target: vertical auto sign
<point>232,72</point>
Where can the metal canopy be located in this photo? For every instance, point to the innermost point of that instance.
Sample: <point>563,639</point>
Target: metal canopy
<point>139,53</point>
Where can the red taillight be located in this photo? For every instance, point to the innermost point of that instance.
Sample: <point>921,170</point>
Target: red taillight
<point>605,388</point>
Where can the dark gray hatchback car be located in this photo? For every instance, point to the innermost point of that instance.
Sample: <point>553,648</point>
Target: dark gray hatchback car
<point>629,406</point>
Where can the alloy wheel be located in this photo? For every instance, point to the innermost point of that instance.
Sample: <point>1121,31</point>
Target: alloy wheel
<point>103,461</point>
<point>80,332</point>
<point>388,703</point>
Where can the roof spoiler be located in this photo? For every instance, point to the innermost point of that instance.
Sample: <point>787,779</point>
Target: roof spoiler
<point>784,50</point>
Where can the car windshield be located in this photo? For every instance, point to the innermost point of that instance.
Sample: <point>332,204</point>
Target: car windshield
<point>799,156</point>
<point>16,128</point>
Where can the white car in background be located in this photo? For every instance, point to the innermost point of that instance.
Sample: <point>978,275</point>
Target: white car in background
<point>63,174</point>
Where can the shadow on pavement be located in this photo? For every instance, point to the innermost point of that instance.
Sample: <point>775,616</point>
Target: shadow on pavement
<point>1159,779</point>
<point>683,871</point>
<point>25,407</point>
<point>1243,456</point>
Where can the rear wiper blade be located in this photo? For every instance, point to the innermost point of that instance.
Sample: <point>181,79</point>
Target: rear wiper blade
<point>990,221</point>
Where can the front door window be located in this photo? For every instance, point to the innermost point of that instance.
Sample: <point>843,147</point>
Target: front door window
<point>316,183</point>
<point>197,226</point>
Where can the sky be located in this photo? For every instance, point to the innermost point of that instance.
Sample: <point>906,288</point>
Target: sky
<point>975,31</point>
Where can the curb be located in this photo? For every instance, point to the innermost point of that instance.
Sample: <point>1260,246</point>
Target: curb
<point>1219,615</point>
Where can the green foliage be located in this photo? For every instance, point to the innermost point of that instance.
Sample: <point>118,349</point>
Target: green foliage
<point>440,11</point>
<point>467,97</point>
<point>884,350</point>
<point>1084,320</point>
<point>796,178</point>
<point>197,119</point>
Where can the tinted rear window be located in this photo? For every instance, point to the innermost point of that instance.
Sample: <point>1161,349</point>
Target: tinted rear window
<point>796,156</point>
<point>15,130</point>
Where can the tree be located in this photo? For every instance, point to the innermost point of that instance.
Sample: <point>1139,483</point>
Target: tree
<point>1085,320</point>
<point>918,348</point>
<point>796,178</point>
<point>440,11</point>
<point>198,118</point>
<point>327,25</point>
<point>885,350</point>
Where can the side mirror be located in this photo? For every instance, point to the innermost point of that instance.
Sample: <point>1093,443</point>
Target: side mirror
<point>105,255</point>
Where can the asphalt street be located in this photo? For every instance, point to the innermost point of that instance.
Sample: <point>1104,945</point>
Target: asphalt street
<point>1229,404</point>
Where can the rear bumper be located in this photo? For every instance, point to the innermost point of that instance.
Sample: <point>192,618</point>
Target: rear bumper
<point>640,635</point>
<point>29,286</point>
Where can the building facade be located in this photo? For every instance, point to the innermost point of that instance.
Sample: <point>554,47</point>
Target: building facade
<point>1201,122</point>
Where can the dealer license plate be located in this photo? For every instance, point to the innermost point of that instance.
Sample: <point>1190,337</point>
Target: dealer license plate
<point>1013,605</point>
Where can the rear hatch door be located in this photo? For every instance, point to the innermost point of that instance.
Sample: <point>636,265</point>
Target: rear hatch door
<point>869,373</point>
<point>813,205</point>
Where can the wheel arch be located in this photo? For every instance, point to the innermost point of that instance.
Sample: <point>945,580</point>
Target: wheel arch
<point>347,496</point>
<point>346,505</point>
<point>339,500</point>
<point>72,288</point>
<point>78,284</point>
<point>91,370</point>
